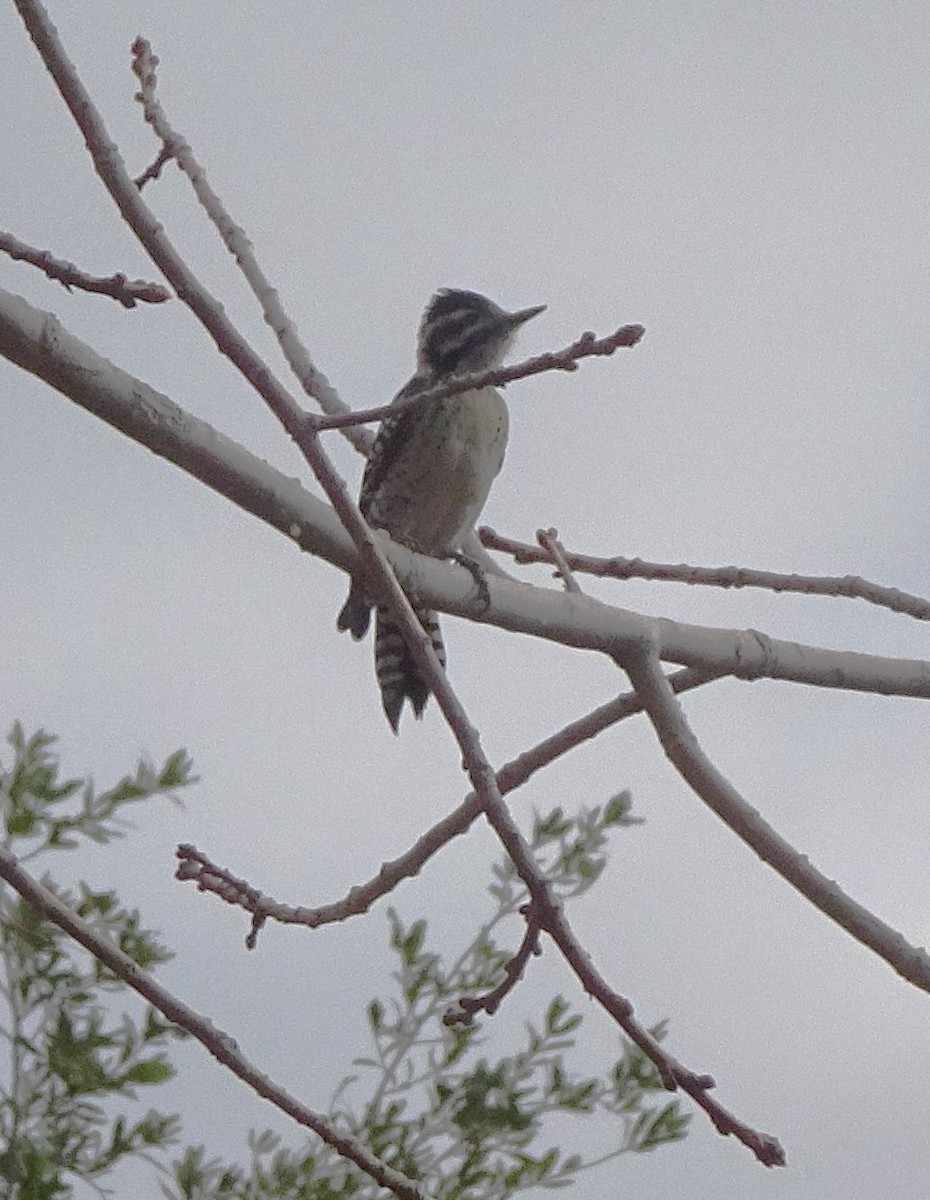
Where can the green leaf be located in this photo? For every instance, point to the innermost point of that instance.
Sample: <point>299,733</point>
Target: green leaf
<point>151,1070</point>
<point>618,810</point>
<point>412,944</point>
<point>177,771</point>
<point>547,828</point>
<point>555,1024</point>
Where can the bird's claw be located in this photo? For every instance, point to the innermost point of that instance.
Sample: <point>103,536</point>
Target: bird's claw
<point>475,569</point>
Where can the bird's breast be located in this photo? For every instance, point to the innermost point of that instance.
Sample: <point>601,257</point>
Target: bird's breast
<point>440,481</point>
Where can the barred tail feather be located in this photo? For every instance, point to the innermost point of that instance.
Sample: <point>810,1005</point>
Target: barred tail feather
<point>397,673</point>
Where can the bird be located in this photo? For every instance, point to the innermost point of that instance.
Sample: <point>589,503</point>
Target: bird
<point>430,470</point>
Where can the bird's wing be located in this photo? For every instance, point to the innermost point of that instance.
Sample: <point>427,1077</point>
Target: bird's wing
<point>393,434</point>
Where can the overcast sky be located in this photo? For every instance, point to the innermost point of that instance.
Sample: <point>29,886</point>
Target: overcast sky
<point>750,182</point>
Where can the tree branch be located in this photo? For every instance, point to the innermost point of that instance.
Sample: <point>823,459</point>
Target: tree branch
<point>195,867</point>
<point>223,1047</point>
<point>852,586</point>
<point>625,636</point>
<point>127,291</point>
<point>376,565</point>
<point>764,1146</point>
<point>683,749</point>
<point>491,1001</point>
<point>549,541</point>
<point>558,360</point>
<point>174,145</point>
<point>38,342</point>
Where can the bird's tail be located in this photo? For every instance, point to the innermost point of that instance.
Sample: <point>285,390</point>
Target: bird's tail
<point>356,612</point>
<point>398,676</point>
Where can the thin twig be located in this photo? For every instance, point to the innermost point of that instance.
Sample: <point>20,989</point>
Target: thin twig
<point>38,342</point>
<point>764,1146</point>
<point>220,1044</point>
<point>153,170</point>
<point>377,569</point>
<point>852,586</point>
<point>491,1001</point>
<point>196,867</point>
<point>128,292</point>
<point>558,360</point>
<point>311,379</point>
<point>683,749</point>
<point>112,171</point>
<point>549,541</point>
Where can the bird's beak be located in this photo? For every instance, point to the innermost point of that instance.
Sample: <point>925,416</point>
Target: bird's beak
<point>526,314</point>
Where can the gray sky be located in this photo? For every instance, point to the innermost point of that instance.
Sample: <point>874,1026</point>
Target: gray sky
<point>748,181</point>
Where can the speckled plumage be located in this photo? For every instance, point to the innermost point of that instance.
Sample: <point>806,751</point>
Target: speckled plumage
<point>431,469</point>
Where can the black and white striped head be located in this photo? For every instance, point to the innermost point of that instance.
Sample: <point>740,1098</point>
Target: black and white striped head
<point>462,332</point>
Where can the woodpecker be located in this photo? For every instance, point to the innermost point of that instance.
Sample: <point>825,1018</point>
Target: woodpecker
<point>431,469</point>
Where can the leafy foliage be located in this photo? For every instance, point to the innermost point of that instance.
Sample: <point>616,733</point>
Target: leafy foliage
<point>33,798</point>
<point>465,1124</point>
<point>68,1051</point>
<point>437,1104</point>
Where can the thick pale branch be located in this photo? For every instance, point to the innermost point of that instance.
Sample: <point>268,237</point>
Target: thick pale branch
<point>376,566</point>
<point>585,623</point>
<point>37,342</point>
<point>223,1047</point>
<point>683,749</point>
<point>850,586</point>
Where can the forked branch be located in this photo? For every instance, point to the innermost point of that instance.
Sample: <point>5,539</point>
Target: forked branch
<point>761,655</point>
<point>220,1044</point>
<point>851,586</point>
<point>196,867</point>
<point>374,561</point>
<point>683,749</point>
